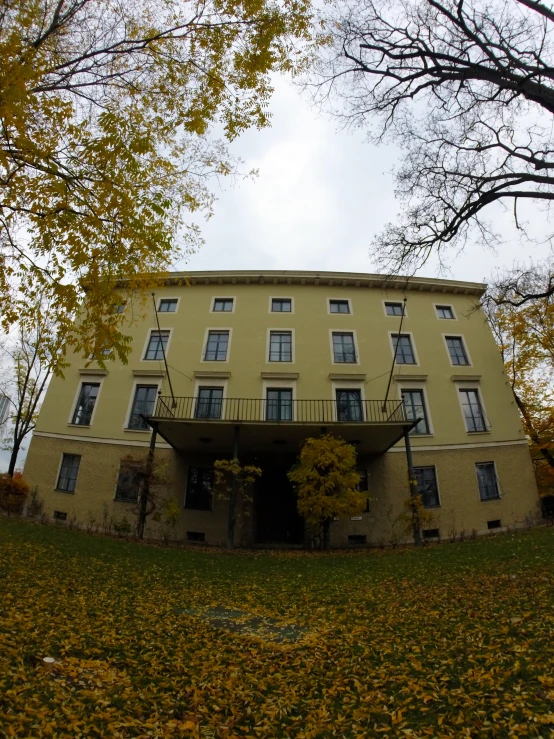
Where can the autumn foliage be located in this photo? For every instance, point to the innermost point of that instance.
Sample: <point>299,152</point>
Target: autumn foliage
<point>13,493</point>
<point>325,477</point>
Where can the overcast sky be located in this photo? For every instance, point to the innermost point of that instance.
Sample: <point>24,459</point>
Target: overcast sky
<point>320,197</point>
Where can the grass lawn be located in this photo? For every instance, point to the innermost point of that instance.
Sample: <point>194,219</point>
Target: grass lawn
<point>450,641</point>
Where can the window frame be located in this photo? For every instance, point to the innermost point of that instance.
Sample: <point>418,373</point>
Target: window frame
<point>280,312</point>
<point>168,312</point>
<point>221,329</point>
<point>395,302</point>
<point>464,347</point>
<point>361,407</point>
<point>418,389</point>
<point>333,331</point>
<point>279,389</point>
<point>431,467</point>
<point>348,301</point>
<point>436,306</point>
<point>212,495</point>
<point>464,388</point>
<point>139,381</point>
<point>57,488</point>
<point>81,384</point>
<point>292,346</point>
<point>169,331</point>
<point>392,343</point>
<point>117,499</point>
<point>498,488</point>
<point>209,387</point>
<point>233,298</point>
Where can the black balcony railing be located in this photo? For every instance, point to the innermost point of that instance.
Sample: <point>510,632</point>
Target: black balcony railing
<point>257,410</point>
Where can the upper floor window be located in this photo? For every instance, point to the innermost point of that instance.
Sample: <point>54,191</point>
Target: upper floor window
<point>200,485</point>
<point>281,305</point>
<point>280,346</point>
<point>344,349</point>
<point>85,404</point>
<point>349,405</point>
<point>394,309</point>
<point>209,403</point>
<point>167,305</point>
<point>67,478</point>
<point>278,404</point>
<point>414,405</point>
<point>223,305</point>
<point>143,406</point>
<point>445,311</point>
<point>119,307</point>
<point>473,410</point>
<point>339,306</point>
<point>217,346</point>
<point>129,480</point>
<point>404,351</point>
<point>157,345</point>
<point>427,487</point>
<point>456,349</point>
<point>487,481</point>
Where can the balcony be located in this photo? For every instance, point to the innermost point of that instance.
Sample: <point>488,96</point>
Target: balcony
<point>193,424</point>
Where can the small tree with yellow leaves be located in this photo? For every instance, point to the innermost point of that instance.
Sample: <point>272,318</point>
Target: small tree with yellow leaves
<point>325,477</point>
<point>234,482</point>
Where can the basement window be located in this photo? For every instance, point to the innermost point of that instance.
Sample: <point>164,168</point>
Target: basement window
<point>431,534</point>
<point>60,515</point>
<point>196,536</point>
<point>357,539</point>
<point>496,524</point>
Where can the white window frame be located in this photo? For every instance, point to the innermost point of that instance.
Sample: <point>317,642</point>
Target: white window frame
<point>438,485</point>
<point>88,380</point>
<point>500,492</point>
<point>223,297</point>
<point>346,385</point>
<point>56,488</point>
<point>422,389</point>
<point>147,342</point>
<point>282,330</point>
<point>205,344</point>
<point>472,386</point>
<point>393,345</point>
<point>398,302</point>
<point>168,313</point>
<point>436,306</point>
<point>356,349</point>
<point>277,384</point>
<point>280,297</point>
<point>205,382</point>
<point>464,344</point>
<point>342,300</point>
<point>139,381</point>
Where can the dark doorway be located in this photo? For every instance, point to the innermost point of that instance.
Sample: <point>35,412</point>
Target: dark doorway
<point>276,517</point>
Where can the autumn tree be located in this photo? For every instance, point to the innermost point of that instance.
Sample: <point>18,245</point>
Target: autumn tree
<point>107,113</point>
<point>234,483</point>
<point>325,478</point>
<point>466,89</point>
<point>524,333</point>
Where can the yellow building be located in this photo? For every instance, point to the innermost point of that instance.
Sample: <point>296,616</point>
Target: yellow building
<point>258,361</point>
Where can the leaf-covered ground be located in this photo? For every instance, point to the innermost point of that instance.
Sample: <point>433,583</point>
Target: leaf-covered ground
<point>450,641</point>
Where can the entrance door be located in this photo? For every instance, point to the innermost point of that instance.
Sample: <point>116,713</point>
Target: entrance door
<point>276,516</point>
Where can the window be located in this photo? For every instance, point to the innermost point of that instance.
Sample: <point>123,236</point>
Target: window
<point>60,515</point>
<point>344,350</point>
<point>280,346</point>
<point>143,405</point>
<point>129,481</point>
<point>278,405</point>
<point>157,345</point>
<point>167,305</point>
<point>414,406</point>
<point>496,524</point>
<point>85,405</point>
<point>223,305</point>
<point>196,536</point>
<point>199,489</point>
<point>472,410</point>
<point>67,479</point>
<point>427,486</point>
<point>394,309</point>
<point>216,346</point>
<point>456,350</point>
<point>349,405</point>
<point>281,305</point>
<point>445,311</point>
<point>119,307</point>
<point>431,534</point>
<point>209,403</point>
<point>404,351</point>
<point>339,306</point>
<point>486,479</point>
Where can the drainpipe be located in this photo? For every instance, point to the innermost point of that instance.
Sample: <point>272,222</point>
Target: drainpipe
<point>411,479</point>
<point>233,495</point>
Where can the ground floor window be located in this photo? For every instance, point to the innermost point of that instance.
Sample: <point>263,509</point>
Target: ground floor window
<point>200,485</point>
<point>129,481</point>
<point>427,486</point>
<point>486,478</point>
<point>67,479</point>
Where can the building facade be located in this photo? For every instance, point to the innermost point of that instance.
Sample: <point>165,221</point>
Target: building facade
<point>255,362</point>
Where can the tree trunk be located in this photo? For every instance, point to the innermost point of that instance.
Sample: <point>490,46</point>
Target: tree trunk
<point>232,515</point>
<point>544,450</point>
<point>145,492</point>
<point>13,458</point>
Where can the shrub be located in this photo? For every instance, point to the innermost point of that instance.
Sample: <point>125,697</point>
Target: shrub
<point>13,493</point>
